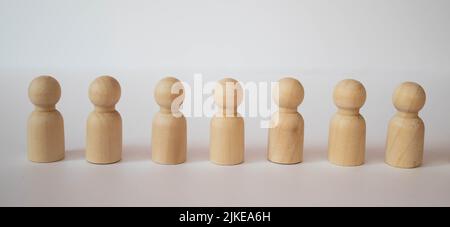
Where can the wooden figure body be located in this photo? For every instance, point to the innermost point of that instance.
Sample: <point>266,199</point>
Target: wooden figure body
<point>285,144</point>
<point>45,124</point>
<point>405,139</point>
<point>347,135</point>
<point>169,138</point>
<point>227,126</point>
<point>104,124</point>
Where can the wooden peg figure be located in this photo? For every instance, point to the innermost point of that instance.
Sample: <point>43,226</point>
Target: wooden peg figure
<point>286,132</point>
<point>227,126</point>
<point>347,136</point>
<point>104,124</point>
<point>405,139</point>
<point>45,124</point>
<point>169,140</point>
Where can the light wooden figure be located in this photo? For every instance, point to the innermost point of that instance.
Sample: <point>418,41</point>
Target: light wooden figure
<point>104,124</point>
<point>405,139</point>
<point>227,126</point>
<point>169,139</point>
<point>45,124</point>
<point>347,136</point>
<point>287,125</point>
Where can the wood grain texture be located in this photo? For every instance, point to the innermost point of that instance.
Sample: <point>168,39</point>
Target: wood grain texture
<point>227,143</point>
<point>406,131</point>
<point>286,135</point>
<point>45,132</point>
<point>347,135</point>
<point>104,124</point>
<point>169,136</point>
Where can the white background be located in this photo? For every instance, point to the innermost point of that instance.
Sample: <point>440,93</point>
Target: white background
<point>379,42</point>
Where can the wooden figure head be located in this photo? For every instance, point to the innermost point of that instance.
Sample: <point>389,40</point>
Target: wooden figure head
<point>169,94</point>
<point>228,95</point>
<point>104,92</point>
<point>44,92</point>
<point>349,94</point>
<point>289,93</point>
<point>409,97</point>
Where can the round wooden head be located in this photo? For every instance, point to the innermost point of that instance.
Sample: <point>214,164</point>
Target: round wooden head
<point>228,94</point>
<point>349,94</point>
<point>104,92</point>
<point>44,91</point>
<point>409,97</point>
<point>289,93</point>
<point>167,91</point>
